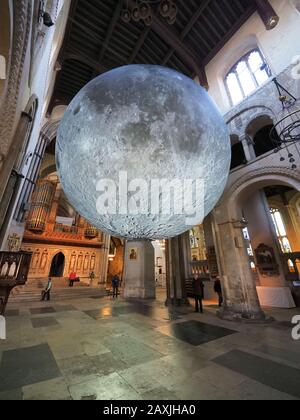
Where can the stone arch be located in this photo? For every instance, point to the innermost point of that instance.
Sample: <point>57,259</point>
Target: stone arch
<point>258,130</point>
<point>58,264</point>
<point>295,201</point>
<point>49,130</point>
<point>252,106</point>
<point>48,171</point>
<point>257,122</point>
<point>259,179</point>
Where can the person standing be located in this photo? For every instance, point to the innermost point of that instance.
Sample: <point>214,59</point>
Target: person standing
<point>46,294</point>
<point>115,286</point>
<point>92,278</point>
<point>72,278</point>
<point>198,287</point>
<point>218,290</point>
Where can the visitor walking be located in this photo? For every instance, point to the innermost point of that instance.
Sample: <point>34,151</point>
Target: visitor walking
<point>46,292</point>
<point>115,285</point>
<point>218,290</point>
<point>198,287</point>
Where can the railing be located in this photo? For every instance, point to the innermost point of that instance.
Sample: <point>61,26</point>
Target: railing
<point>200,268</point>
<point>91,232</point>
<point>14,268</point>
<point>65,229</point>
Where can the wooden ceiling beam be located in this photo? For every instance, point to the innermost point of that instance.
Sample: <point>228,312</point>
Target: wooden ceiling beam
<point>85,59</point>
<point>139,44</point>
<point>168,36</point>
<point>112,25</point>
<point>188,28</point>
<point>252,9</point>
<point>97,39</point>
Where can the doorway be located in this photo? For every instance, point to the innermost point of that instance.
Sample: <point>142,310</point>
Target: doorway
<point>57,265</point>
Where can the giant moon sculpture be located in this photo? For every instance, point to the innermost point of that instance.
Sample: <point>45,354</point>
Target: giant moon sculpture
<point>142,123</point>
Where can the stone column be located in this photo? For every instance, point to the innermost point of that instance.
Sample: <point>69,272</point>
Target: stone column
<point>139,271</point>
<point>178,269</point>
<point>240,295</point>
<point>104,259</point>
<point>248,148</point>
<point>262,231</point>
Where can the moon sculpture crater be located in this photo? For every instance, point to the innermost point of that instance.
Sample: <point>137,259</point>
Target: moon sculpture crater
<point>134,126</point>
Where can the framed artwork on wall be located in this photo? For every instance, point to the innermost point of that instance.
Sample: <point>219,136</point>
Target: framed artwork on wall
<point>133,256</point>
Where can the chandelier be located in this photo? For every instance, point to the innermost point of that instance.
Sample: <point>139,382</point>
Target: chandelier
<point>143,11</point>
<point>286,131</point>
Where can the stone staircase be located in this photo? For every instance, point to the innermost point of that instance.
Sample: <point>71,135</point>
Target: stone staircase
<point>60,291</point>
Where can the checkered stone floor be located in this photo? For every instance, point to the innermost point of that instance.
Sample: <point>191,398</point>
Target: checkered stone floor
<point>102,349</point>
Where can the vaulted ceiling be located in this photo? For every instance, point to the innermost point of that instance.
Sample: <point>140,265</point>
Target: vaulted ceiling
<point>98,40</point>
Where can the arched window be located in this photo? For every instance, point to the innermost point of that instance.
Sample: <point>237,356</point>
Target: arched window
<point>238,157</point>
<point>250,72</point>
<point>281,230</point>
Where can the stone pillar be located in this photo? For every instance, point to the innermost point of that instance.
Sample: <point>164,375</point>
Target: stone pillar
<point>262,231</point>
<point>104,259</point>
<point>240,295</point>
<point>248,148</point>
<point>178,269</point>
<point>139,271</point>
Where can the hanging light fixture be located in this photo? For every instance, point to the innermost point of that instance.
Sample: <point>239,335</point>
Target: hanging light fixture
<point>286,131</point>
<point>126,15</point>
<point>144,12</point>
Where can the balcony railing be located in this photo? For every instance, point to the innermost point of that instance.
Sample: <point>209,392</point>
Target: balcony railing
<point>201,268</point>
<point>65,229</point>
